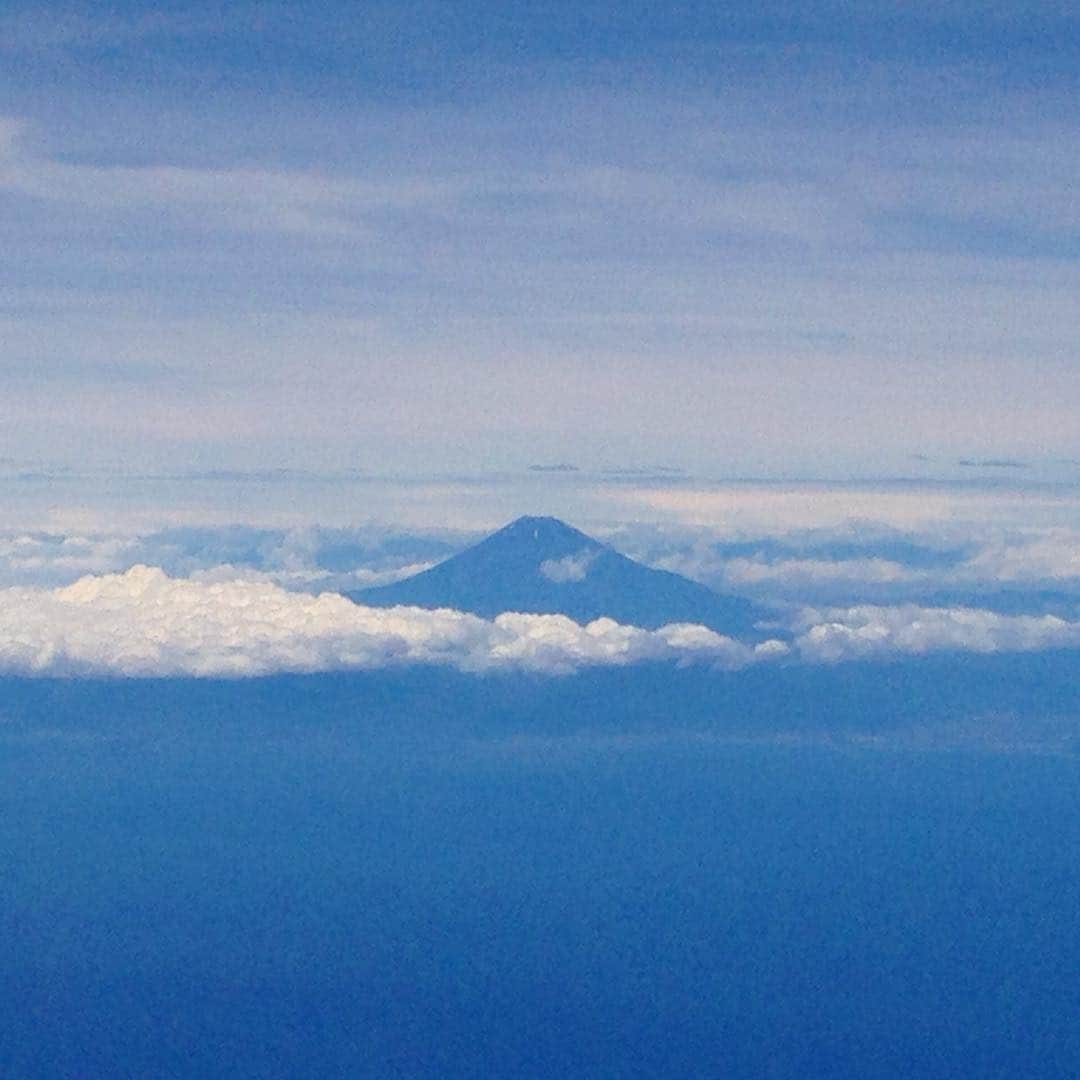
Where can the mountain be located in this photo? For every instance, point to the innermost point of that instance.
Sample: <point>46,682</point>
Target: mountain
<point>542,565</point>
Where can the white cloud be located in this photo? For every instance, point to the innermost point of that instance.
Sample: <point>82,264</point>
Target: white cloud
<point>359,557</point>
<point>50,559</point>
<point>869,632</point>
<point>735,511</point>
<point>144,623</point>
<point>1053,555</point>
<point>793,573</point>
<point>569,568</point>
<point>1050,558</point>
<point>984,547</point>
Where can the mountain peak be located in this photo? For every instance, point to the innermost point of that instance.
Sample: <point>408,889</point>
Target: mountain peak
<point>542,531</point>
<point>544,566</point>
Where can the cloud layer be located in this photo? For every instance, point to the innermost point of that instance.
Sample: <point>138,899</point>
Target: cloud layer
<point>144,623</point>
<point>779,548</point>
<point>869,632</point>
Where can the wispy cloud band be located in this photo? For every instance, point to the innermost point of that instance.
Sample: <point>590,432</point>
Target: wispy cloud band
<point>869,632</point>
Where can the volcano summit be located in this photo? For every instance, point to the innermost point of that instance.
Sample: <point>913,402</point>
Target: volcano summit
<point>542,565</point>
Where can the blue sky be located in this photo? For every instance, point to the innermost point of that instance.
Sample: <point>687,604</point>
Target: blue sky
<point>809,239</point>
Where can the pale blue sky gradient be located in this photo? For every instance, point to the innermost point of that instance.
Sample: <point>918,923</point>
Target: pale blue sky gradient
<point>791,240</point>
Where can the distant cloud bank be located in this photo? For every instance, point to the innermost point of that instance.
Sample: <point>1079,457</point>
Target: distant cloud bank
<point>143,623</point>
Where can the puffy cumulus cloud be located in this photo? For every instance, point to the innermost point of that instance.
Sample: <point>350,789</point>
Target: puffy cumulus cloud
<point>144,623</point>
<point>869,632</point>
<point>557,644</point>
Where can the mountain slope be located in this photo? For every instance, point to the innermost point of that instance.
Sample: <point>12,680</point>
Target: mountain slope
<point>542,565</point>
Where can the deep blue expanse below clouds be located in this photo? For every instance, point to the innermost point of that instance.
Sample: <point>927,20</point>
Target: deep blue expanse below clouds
<point>643,874</point>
